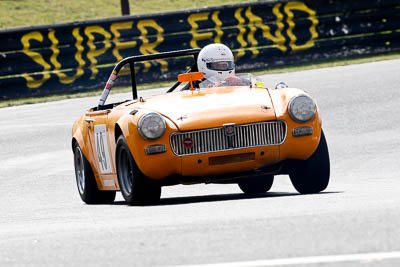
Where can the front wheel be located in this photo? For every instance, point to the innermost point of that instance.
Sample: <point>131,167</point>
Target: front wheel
<point>135,187</point>
<point>86,182</point>
<point>312,175</point>
<point>259,185</point>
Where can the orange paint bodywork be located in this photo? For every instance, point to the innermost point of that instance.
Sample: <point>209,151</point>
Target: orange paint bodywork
<point>195,110</point>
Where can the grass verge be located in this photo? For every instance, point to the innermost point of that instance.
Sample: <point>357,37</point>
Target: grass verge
<point>124,89</point>
<point>16,13</point>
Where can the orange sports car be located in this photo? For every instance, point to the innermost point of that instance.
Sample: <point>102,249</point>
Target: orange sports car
<point>207,131</point>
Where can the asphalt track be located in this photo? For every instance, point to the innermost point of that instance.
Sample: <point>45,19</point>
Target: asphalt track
<point>354,222</point>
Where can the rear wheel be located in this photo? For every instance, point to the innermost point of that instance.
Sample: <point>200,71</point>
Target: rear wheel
<point>86,182</point>
<point>259,185</point>
<point>312,175</point>
<point>136,188</point>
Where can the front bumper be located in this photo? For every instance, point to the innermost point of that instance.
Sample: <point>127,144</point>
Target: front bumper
<point>215,165</point>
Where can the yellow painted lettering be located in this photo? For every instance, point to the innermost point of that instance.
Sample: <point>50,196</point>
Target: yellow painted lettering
<point>196,36</point>
<point>115,27</point>
<point>313,29</point>
<point>218,25</point>
<point>277,38</point>
<point>35,56</point>
<point>56,51</point>
<point>242,31</point>
<point>79,50</point>
<point>93,51</point>
<point>250,36</point>
<point>65,79</point>
<point>150,48</point>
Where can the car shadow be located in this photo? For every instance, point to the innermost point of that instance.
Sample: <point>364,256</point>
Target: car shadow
<point>222,197</point>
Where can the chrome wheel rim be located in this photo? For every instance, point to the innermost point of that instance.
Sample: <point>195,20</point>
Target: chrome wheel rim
<point>79,170</point>
<point>125,171</point>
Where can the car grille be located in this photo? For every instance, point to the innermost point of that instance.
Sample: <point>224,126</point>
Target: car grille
<point>216,139</point>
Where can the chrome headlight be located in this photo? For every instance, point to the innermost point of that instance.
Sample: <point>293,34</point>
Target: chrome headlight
<point>302,108</point>
<point>151,126</point>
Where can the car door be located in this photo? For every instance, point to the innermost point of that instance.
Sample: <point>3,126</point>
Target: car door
<point>100,146</point>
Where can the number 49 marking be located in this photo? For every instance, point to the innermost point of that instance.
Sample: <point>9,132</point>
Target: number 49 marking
<point>102,151</point>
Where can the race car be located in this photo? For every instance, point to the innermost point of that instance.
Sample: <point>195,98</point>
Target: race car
<point>210,131</point>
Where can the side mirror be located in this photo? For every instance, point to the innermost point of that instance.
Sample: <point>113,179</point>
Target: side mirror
<point>190,77</point>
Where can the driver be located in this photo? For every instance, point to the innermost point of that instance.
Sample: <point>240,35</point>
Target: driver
<point>216,60</point>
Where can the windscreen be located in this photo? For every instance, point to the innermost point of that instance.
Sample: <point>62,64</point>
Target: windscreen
<point>240,79</point>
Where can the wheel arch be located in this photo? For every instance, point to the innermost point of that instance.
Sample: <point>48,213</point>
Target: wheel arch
<point>117,132</point>
<point>77,139</point>
<point>124,127</point>
<point>74,143</point>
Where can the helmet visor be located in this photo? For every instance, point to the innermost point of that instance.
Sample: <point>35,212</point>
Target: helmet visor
<point>221,65</point>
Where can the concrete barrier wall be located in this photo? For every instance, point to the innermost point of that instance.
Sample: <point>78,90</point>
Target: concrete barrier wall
<point>51,59</point>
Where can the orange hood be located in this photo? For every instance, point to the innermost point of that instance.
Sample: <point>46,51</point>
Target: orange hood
<point>213,107</point>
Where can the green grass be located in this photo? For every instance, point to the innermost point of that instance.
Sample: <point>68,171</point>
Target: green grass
<point>122,89</point>
<point>15,13</point>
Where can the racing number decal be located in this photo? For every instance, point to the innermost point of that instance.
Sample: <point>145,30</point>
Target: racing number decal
<point>102,151</point>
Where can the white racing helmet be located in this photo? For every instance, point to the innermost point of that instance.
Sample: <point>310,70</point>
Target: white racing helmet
<point>216,59</point>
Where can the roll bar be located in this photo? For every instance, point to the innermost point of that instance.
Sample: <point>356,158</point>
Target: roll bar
<point>140,58</point>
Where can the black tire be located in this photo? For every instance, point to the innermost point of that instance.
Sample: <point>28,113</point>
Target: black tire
<point>86,183</point>
<point>312,175</point>
<point>259,185</point>
<point>136,188</point>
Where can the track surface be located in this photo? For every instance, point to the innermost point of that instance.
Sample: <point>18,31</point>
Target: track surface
<point>44,222</point>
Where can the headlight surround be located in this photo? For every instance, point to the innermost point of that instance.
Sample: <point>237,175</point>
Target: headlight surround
<point>151,126</point>
<point>302,108</point>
